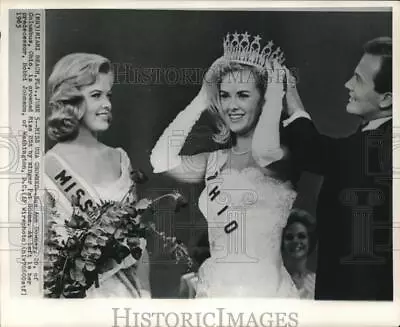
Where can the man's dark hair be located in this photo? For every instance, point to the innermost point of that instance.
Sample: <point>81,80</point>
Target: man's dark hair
<point>382,47</point>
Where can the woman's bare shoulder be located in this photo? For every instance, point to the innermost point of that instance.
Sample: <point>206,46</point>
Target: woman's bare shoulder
<point>57,149</point>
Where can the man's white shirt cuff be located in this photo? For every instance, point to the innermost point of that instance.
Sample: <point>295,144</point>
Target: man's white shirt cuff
<point>297,114</point>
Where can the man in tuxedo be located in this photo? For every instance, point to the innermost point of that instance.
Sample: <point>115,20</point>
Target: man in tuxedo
<point>354,211</point>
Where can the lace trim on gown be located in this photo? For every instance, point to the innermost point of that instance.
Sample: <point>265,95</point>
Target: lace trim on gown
<point>246,261</point>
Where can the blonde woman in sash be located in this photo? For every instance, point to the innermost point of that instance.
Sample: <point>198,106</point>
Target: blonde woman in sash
<point>244,202</point>
<point>80,166</point>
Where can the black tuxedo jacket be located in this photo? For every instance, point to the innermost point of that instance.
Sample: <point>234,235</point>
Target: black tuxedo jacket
<point>354,211</point>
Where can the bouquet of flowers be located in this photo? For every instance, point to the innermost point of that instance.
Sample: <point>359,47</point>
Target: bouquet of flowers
<point>111,233</point>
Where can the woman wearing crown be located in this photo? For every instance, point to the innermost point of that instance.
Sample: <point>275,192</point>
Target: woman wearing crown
<point>245,203</point>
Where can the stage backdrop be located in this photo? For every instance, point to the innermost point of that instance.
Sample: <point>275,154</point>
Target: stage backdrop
<point>158,56</point>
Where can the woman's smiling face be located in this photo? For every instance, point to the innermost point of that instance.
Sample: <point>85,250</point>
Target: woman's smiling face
<point>296,241</point>
<point>241,101</point>
<point>97,114</point>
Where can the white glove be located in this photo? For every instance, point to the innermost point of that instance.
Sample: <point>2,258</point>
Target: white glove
<point>266,147</point>
<point>165,154</point>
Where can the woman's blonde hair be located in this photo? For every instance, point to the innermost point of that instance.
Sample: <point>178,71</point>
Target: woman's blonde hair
<point>69,75</point>
<point>214,78</point>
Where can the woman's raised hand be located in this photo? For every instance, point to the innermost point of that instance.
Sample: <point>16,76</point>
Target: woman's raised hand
<point>276,79</point>
<point>208,89</point>
<point>293,100</point>
<point>215,70</point>
<point>266,147</point>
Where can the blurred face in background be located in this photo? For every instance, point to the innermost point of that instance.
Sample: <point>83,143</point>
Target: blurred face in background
<point>296,241</point>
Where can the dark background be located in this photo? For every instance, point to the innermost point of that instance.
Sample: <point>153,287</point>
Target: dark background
<point>324,48</point>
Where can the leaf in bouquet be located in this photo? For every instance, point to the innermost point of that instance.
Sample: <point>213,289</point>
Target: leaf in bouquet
<point>74,290</point>
<point>132,212</point>
<point>52,290</point>
<point>77,222</point>
<point>85,253</point>
<point>96,231</point>
<point>106,263</point>
<point>125,217</point>
<point>74,201</point>
<point>49,276</point>
<point>180,202</point>
<point>168,240</point>
<point>48,291</point>
<point>50,224</point>
<point>95,256</point>
<point>90,249</point>
<point>53,239</point>
<point>52,258</point>
<point>102,240</point>
<point>137,220</point>
<point>91,240</point>
<point>77,209</point>
<point>47,265</point>
<point>109,210</point>
<point>133,241</point>
<point>72,242</point>
<point>52,232</point>
<point>121,251</point>
<point>49,200</point>
<point>77,275</point>
<point>143,204</point>
<point>136,252</point>
<point>106,219</point>
<point>71,253</point>
<point>79,263</point>
<point>98,213</point>
<point>72,223</point>
<point>93,250</point>
<point>138,176</point>
<point>90,266</point>
<point>129,228</point>
<point>115,219</point>
<point>104,203</point>
<point>107,229</point>
<point>120,233</point>
<point>52,251</point>
<point>54,243</point>
<point>84,224</point>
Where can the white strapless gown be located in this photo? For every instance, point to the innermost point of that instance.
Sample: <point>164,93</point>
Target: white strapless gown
<point>246,212</point>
